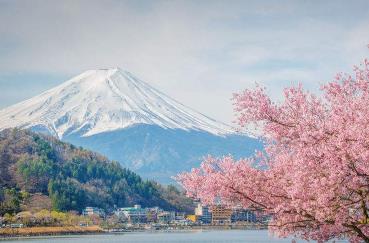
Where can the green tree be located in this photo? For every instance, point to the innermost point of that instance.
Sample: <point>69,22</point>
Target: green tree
<point>67,195</point>
<point>10,201</point>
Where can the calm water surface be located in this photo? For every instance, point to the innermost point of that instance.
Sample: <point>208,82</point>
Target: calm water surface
<point>213,236</point>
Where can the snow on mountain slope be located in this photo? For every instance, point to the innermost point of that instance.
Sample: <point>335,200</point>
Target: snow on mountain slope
<point>103,100</point>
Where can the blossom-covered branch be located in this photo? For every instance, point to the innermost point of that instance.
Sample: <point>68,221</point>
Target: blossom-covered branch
<point>315,175</point>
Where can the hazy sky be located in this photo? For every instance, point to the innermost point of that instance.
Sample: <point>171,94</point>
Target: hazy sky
<point>198,52</point>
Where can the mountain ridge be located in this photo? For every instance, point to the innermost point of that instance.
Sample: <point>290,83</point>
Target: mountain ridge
<point>105,100</point>
<point>72,178</point>
<point>159,154</point>
<point>112,112</point>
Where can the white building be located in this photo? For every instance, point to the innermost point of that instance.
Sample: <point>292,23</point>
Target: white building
<point>203,213</point>
<point>134,214</point>
<point>89,211</point>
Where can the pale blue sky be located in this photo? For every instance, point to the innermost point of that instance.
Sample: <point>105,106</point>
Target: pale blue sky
<point>198,52</point>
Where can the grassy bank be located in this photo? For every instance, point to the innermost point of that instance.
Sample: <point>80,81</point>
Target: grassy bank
<point>35,231</point>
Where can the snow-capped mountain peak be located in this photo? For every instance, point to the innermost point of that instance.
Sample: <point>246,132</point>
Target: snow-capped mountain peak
<point>104,100</point>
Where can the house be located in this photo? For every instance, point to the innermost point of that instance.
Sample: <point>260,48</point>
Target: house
<point>90,211</point>
<point>152,214</point>
<point>243,215</point>
<point>193,218</point>
<point>166,217</point>
<point>180,216</point>
<point>134,215</point>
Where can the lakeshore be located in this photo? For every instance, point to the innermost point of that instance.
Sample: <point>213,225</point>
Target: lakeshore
<point>9,233</point>
<point>170,236</point>
<point>45,231</point>
<point>149,236</point>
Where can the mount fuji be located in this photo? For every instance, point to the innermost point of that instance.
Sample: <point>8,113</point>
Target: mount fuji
<point>113,112</point>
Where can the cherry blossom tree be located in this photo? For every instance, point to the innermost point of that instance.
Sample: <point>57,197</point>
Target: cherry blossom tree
<point>313,176</point>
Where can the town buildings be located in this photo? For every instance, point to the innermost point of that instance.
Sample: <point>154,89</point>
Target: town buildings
<point>139,215</point>
<point>214,215</point>
<point>220,215</point>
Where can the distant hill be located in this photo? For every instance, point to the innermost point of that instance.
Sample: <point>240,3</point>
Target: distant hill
<point>42,167</point>
<point>159,153</point>
<point>124,118</point>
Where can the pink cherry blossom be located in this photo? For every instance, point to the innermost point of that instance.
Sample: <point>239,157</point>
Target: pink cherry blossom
<point>313,176</point>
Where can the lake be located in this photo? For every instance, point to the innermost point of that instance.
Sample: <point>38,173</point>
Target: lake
<point>193,236</point>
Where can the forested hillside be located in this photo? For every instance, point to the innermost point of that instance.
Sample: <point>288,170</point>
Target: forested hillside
<point>71,178</point>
